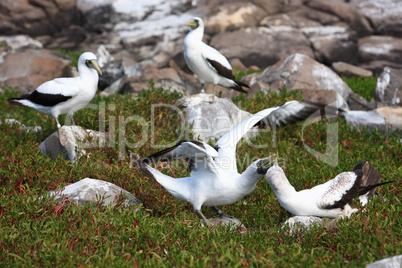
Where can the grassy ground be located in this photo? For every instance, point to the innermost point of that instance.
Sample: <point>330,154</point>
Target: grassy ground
<point>364,86</point>
<point>167,232</point>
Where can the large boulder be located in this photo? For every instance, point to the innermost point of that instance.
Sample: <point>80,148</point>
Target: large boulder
<point>232,16</point>
<point>384,50</point>
<point>262,46</point>
<point>93,191</point>
<point>28,68</point>
<point>210,116</point>
<point>332,43</point>
<point>388,91</point>
<point>138,76</point>
<point>348,13</point>
<point>301,17</point>
<point>37,17</point>
<point>384,16</point>
<point>299,72</point>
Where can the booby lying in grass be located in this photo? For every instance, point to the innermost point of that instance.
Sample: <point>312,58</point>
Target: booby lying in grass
<point>214,179</point>
<point>206,62</point>
<point>332,199</point>
<point>65,95</point>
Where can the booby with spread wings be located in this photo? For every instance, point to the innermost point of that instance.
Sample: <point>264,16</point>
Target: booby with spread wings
<point>65,95</point>
<point>331,199</point>
<point>214,179</point>
<point>206,62</point>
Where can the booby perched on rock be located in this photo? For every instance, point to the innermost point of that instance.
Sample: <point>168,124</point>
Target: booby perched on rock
<point>65,95</point>
<point>332,199</point>
<point>214,179</point>
<point>206,62</point>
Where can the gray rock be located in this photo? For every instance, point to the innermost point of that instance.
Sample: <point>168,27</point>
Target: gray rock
<point>388,91</point>
<point>92,191</point>
<point>392,115</point>
<point>211,117</point>
<point>112,70</point>
<point>375,48</point>
<point>299,72</point>
<point>231,222</point>
<point>39,66</point>
<point>234,15</point>
<point>71,142</point>
<point>382,118</point>
<point>385,16</point>
<point>136,78</point>
<point>296,223</point>
<point>301,17</point>
<point>319,96</point>
<point>350,70</point>
<point>368,119</point>
<point>20,41</point>
<point>357,102</point>
<point>392,262</point>
<point>348,13</point>
<point>69,38</point>
<point>332,43</point>
<point>262,46</point>
<point>37,17</point>
<point>377,66</point>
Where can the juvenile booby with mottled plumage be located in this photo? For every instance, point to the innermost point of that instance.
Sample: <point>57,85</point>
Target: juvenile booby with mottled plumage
<point>206,62</point>
<point>331,199</point>
<point>65,95</point>
<point>214,179</point>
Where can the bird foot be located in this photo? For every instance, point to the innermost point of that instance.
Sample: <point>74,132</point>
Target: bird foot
<point>224,215</point>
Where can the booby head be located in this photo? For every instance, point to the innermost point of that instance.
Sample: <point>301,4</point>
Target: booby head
<point>90,60</point>
<point>194,23</point>
<point>264,164</point>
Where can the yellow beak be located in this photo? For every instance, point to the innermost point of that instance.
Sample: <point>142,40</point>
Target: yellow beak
<point>94,65</point>
<point>191,23</point>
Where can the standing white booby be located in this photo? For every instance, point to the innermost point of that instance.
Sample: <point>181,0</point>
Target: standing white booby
<point>332,199</point>
<point>214,179</point>
<point>206,62</point>
<point>65,95</point>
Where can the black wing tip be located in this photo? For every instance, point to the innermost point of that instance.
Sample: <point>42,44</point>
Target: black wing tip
<point>140,164</point>
<point>307,110</point>
<point>239,86</point>
<point>163,155</point>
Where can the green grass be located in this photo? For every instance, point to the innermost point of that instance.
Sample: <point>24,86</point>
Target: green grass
<point>240,73</point>
<point>167,232</point>
<point>364,86</point>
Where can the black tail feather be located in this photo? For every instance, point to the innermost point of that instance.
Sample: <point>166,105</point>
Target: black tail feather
<point>15,101</point>
<point>372,188</point>
<point>370,180</point>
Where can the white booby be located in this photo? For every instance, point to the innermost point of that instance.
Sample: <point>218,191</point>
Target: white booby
<point>332,199</point>
<point>214,179</point>
<point>206,62</point>
<point>65,95</point>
